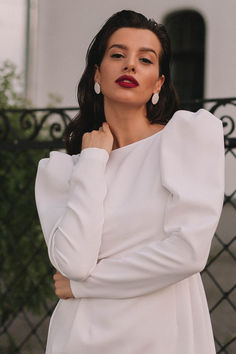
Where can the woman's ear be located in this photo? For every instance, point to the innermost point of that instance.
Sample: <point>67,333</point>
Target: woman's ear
<point>162,80</point>
<point>159,83</point>
<point>97,74</point>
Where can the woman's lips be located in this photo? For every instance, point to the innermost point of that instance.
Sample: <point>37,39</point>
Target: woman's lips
<point>127,81</point>
<point>127,84</point>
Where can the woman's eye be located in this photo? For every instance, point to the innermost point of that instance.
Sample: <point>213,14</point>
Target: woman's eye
<point>116,55</point>
<point>145,60</point>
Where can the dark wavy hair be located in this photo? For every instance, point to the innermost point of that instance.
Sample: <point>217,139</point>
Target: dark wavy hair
<point>91,112</point>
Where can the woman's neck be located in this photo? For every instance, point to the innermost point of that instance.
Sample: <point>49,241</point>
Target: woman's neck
<point>128,124</point>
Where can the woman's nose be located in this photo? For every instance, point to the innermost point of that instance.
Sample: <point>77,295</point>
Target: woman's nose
<point>130,62</point>
<point>129,68</point>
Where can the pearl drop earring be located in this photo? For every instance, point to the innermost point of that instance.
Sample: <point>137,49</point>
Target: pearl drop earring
<point>155,98</point>
<point>97,88</point>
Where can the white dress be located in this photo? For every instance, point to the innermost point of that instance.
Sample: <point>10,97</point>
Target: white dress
<point>132,230</point>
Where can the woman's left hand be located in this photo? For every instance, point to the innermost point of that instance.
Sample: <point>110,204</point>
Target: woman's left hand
<point>62,286</point>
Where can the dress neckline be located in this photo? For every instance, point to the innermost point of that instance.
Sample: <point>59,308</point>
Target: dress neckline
<point>128,146</point>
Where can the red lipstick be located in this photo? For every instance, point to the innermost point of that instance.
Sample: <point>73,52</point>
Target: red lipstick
<point>127,81</point>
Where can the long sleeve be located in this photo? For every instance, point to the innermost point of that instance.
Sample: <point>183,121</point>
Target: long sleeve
<point>192,170</point>
<point>69,194</point>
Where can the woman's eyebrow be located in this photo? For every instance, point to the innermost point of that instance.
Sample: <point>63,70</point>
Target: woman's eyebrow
<point>143,49</point>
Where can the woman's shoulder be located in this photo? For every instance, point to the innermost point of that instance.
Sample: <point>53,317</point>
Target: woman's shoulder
<point>58,158</point>
<point>201,124</point>
<point>191,151</point>
<point>55,169</point>
<point>188,117</point>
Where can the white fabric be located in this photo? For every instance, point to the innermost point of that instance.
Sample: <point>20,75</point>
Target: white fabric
<point>132,230</point>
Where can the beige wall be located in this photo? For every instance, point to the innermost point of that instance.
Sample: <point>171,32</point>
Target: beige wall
<point>65,29</point>
<point>12,32</point>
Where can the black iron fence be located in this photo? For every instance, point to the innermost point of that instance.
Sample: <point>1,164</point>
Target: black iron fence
<point>26,289</point>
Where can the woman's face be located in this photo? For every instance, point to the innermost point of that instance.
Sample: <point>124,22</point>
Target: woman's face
<point>133,52</point>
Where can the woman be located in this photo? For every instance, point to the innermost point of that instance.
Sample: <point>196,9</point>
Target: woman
<point>129,213</point>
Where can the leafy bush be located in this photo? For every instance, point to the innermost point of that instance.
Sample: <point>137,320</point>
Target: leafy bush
<point>25,271</point>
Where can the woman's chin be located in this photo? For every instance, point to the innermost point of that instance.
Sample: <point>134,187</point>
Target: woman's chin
<point>124,101</point>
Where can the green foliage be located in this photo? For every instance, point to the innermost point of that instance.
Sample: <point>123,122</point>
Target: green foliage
<point>25,271</point>
<point>11,84</point>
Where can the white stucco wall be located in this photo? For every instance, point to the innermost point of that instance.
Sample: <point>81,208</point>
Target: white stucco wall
<point>65,29</point>
<point>12,32</point>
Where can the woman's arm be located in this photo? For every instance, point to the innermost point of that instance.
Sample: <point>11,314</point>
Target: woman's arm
<point>69,200</point>
<point>192,169</point>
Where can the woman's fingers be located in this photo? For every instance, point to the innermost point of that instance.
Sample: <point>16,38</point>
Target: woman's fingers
<point>62,286</point>
<point>57,275</point>
<point>101,138</point>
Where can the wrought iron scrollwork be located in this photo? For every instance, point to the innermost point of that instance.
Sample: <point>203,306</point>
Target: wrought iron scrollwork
<point>28,122</point>
<point>19,127</point>
<point>4,126</point>
<point>219,107</point>
<point>34,127</point>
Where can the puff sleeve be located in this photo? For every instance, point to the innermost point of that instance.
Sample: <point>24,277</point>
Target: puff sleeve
<point>192,170</point>
<point>69,194</point>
